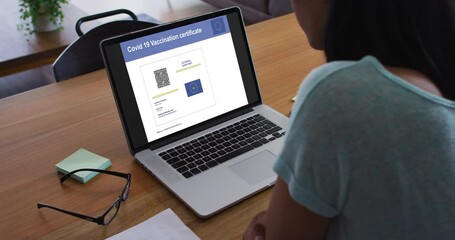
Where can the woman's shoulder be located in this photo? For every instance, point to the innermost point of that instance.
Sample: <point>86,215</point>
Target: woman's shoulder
<point>337,77</point>
<point>366,79</point>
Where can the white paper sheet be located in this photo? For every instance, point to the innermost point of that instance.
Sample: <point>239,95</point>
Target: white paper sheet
<point>164,226</point>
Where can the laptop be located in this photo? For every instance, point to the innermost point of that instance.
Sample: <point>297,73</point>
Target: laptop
<point>191,109</point>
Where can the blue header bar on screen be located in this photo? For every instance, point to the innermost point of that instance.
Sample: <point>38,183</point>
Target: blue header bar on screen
<point>174,38</point>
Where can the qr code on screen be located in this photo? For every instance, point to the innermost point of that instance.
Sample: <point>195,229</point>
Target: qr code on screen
<point>162,78</point>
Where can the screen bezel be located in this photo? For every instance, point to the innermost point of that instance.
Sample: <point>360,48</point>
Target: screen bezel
<point>124,96</point>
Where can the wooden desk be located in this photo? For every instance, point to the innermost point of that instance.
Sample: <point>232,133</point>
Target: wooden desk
<point>43,126</point>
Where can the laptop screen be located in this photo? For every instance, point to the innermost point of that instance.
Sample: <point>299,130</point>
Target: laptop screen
<point>181,75</point>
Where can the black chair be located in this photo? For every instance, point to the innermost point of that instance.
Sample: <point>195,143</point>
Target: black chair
<point>83,55</point>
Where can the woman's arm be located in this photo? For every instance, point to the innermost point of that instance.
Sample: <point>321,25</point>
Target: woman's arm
<point>286,219</point>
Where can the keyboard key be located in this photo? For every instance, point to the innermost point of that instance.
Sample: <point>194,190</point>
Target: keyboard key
<point>225,133</point>
<point>234,154</point>
<point>269,123</point>
<point>183,169</point>
<point>267,126</point>
<point>191,165</point>
<point>195,171</point>
<point>229,149</point>
<point>203,167</point>
<point>272,130</point>
<point>183,156</point>
<point>263,134</point>
<point>165,157</point>
<point>187,174</point>
<point>259,117</point>
<point>199,162</point>
<point>214,155</point>
<point>212,163</point>
<point>171,150</point>
<point>179,164</point>
<point>173,160</point>
<point>256,144</point>
<point>277,135</point>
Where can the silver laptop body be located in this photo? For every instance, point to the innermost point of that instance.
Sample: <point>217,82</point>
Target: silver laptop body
<point>191,110</point>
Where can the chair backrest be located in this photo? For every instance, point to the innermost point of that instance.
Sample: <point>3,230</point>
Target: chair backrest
<point>83,55</point>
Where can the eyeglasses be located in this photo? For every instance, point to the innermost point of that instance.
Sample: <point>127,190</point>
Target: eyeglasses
<point>110,214</point>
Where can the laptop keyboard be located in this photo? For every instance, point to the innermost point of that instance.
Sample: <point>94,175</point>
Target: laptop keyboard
<point>198,155</point>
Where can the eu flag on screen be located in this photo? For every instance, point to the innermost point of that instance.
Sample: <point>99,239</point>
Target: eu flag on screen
<point>193,87</point>
<point>218,26</point>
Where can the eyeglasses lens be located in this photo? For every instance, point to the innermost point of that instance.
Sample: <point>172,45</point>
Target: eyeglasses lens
<point>126,192</point>
<point>112,213</point>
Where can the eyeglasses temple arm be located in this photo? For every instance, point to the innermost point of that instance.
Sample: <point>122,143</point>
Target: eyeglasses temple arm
<point>88,218</point>
<point>118,174</point>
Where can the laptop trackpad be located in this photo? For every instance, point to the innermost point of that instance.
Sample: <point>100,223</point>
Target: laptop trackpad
<point>256,168</point>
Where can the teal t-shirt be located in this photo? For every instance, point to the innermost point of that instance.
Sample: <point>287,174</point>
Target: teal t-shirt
<point>373,152</point>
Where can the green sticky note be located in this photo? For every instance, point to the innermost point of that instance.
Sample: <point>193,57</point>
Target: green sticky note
<point>83,159</point>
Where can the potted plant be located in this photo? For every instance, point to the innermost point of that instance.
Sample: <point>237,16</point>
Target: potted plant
<point>41,15</point>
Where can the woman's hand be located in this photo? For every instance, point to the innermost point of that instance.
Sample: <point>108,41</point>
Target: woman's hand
<point>256,229</point>
<point>286,219</point>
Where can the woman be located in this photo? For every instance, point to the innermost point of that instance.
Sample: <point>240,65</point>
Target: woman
<point>370,153</point>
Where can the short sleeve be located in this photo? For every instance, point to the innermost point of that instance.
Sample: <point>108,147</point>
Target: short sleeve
<point>309,161</point>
